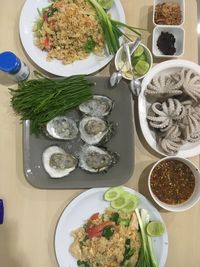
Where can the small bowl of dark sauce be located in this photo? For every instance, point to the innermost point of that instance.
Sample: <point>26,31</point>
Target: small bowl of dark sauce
<point>174,183</point>
<point>168,41</point>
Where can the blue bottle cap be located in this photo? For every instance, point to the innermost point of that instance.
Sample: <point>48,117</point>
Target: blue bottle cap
<point>9,62</point>
<point>1,211</point>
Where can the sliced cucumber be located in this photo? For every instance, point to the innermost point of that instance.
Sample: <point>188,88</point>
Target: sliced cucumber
<point>113,193</point>
<point>132,204</point>
<point>120,202</point>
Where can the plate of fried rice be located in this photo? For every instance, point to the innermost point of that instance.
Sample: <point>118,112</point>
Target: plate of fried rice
<point>79,244</point>
<point>65,37</point>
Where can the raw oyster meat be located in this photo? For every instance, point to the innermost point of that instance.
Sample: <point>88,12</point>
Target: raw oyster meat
<point>62,128</point>
<point>95,159</point>
<point>94,130</point>
<point>98,106</point>
<point>57,162</point>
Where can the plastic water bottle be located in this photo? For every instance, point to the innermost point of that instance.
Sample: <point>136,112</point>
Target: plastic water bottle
<point>12,65</point>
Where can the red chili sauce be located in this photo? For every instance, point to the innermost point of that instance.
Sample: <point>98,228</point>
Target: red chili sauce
<point>172,182</point>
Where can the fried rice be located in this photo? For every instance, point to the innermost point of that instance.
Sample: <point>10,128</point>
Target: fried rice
<point>69,30</point>
<point>94,249</point>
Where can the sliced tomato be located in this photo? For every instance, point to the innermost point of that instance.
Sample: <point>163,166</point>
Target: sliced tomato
<point>96,230</point>
<point>94,216</point>
<point>46,43</point>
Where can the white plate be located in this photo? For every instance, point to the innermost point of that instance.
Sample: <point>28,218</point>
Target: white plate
<point>188,149</point>
<point>92,64</point>
<point>81,208</point>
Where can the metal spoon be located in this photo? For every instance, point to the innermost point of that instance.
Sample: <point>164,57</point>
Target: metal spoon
<point>116,77</point>
<point>135,84</point>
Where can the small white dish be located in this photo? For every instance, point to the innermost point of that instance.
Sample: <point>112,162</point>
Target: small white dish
<point>179,35</point>
<point>194,198</point>
<point>118,60</point>
<point>182,7</point>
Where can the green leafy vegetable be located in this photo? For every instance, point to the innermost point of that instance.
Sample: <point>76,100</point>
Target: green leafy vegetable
<point>108,231</point>
<point>124,222</point>
<point>115,217</point>
<point>83,263</point>
<point>147,256</point>
<point>42,99</point>
<point>89,45</point>
<point>128,252</point>
<point>51,11</point>
<point>118,220</point>
<point>111,28</point>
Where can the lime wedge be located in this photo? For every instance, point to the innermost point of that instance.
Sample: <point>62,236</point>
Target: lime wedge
<point>106,4</point>
<point>119,202</point>
<point>113,193</point>
<point>132,204</point>
<point>141,67</point>
<point>134,60</point>
<point>139,51</point>
<point>155,228</point>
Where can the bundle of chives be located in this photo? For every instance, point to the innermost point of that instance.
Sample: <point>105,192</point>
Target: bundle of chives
<point>42,99</point>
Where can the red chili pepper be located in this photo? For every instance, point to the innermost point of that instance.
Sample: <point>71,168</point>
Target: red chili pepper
<point>96,230</point>
<point>94,216</point>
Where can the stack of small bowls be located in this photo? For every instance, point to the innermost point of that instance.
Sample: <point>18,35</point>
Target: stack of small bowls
<point>176,30</point>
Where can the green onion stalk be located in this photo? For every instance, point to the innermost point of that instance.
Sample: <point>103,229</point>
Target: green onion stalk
<point>111,28</point>
<point>147,256</point>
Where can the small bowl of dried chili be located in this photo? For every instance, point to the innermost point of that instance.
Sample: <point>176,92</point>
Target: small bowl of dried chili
<point>174,183</point>
<point>169,12</point>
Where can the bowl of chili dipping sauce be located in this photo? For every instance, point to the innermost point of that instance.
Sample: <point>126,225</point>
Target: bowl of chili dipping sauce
<point>174,183</point>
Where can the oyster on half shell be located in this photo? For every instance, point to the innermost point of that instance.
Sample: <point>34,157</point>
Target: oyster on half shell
<point>98,106</point>
<point>94,159</point>
<point>62,128</point>
<point>57,162</point>
<point>94,130</point>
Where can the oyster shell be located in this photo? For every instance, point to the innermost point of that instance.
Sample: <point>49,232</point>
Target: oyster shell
<point>94,159</point>
<point>57,162</point>
<point>98,106</point>
<point>94,130</point>
<point>62,128</point>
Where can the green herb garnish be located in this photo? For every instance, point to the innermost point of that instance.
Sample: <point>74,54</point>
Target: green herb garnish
<point>128,251</point>
<point>115,217</point>
<point>83,263</point>
<point>42,99</point>
<point>108,231</point>
<point>51,11</point>
<point>89,45</point>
